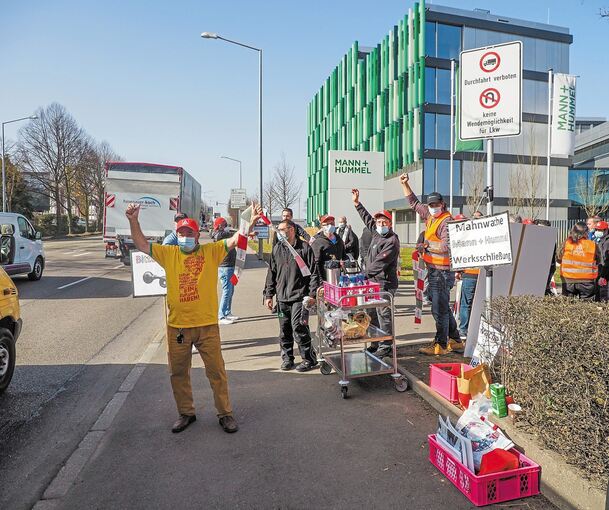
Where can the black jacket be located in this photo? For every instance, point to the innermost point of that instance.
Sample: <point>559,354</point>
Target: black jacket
<point>603,246</point>
<point>364,243</point>
<point>351,243</point>
<point>284,278</point>
<point>325,250</point>
<point>300,232</point>
<point>383,255</point>
<point>231,257</point>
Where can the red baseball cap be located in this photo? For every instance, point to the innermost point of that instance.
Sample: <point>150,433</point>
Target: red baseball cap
<point>219,221</point>
<point>527,221</point>
<point>327,218</point>
<point>384,213</point>
<point>602,225</point>
<point>188,223</point>
<point>460,217</point>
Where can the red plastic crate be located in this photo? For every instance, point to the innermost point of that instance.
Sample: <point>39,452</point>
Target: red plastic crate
<point>443,379</point>
<point>333,293</point>
<point>487,489</point>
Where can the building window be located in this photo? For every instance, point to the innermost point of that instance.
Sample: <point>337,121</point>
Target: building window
<point>430,130</point>
<point>430,38</point>
<point>443,132</point>
<point>429,176</point>
<point>449,41</point>
<point>430,84</point>
<point>589,186</point>
<point>443,86</point>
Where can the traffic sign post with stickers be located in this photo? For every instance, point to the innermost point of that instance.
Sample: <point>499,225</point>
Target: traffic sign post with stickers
<point>490,98</point>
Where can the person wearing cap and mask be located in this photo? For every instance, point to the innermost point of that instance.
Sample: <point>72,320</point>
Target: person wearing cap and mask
<point>437,258</point>
<point>345,232</point>
<point>191,271</point>
<point>381,266</point>
<point>288,214</point>
<point>225,273</point>
<point>602,228</point>
<point>285,282</point>
<point>326,244</point>
<point>172,239</point>
<point>579,258</point>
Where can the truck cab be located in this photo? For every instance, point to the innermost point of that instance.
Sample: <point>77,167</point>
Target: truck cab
<point>21,247</point>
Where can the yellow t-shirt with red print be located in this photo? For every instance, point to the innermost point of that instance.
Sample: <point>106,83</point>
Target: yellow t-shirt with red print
<point>192,281</point>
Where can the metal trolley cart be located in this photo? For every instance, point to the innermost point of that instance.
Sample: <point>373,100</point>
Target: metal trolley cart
<point>345,355</point>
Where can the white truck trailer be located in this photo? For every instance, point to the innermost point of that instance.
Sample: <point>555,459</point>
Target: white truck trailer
<point>161,191</point>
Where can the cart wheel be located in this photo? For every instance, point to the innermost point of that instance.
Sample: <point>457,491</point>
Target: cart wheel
<point>343,391</point>
<point>401,384</point>
<point>325,368</point>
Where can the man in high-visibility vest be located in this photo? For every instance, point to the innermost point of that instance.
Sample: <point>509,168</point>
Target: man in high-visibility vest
<point>441,278</point>
<point>579,258</point>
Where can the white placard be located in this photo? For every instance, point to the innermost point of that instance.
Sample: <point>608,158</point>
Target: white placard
<point>481,242</point>
<point>147,275</point>
<point>563,115</point>
<point>364,170</point>
<point>238,198</point>
<point>490,92</point>
<point>487,347</point>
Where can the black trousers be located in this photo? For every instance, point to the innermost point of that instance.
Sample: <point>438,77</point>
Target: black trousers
<point>585,290</point>
<point>291,328</point>
<point>381,318</point>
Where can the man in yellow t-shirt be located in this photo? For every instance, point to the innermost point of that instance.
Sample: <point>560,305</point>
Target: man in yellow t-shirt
<point>192,298</point>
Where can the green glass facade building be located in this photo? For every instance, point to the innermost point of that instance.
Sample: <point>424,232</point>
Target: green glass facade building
<point>395,98</point>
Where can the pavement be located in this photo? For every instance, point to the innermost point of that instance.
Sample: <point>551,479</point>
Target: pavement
<point>104,440</point>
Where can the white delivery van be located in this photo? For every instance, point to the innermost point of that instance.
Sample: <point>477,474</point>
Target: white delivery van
<point>21,248</point>
<point>161,191</point>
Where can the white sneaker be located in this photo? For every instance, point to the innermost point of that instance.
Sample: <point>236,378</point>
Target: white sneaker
<point>225,321</point>
<point>232,317</point>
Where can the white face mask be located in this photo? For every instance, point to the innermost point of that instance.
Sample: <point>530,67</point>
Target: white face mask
<point>598,233</point>
<point>382,230</point>
<point>342,225</point>
<point>434,211</point>
<point>329,229</point>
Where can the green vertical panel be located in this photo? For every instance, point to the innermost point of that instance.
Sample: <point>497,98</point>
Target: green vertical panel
<point>349,70</point>
<point>415,86</point>
<point>421,33</point>
<point>324,179</point>
<point>421,83</point>
<point>410,137</point>
<point>354,60</point>
<point>362,83</point>
<point>415,35</point>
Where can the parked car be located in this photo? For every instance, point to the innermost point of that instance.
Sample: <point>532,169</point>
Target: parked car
<point>21,248</point>
<point>10,327</point>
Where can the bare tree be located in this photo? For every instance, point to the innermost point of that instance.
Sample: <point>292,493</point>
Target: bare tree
<point>474,184</point>
<point>286,188</point>
<point>269,197</point>
<point>592,194</point>
<point>525,180</point>
<point>105,154</point>
<point>50,148</point>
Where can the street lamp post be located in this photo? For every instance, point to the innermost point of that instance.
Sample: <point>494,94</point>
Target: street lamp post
<point>31,117</point>
<point>240,174</point>
<point>212,35</point>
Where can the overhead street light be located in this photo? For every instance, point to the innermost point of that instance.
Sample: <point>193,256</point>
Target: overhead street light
<point>240,174</point>
<point>31,117</point>
<point>213,35</point>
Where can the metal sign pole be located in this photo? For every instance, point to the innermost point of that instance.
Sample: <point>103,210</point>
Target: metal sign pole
<point>549,144</point>
<point>490,154</point>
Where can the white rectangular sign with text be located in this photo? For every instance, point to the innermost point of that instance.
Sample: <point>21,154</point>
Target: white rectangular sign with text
<point>147,275</point>
<point>481,242</point>
<point>491,91</point>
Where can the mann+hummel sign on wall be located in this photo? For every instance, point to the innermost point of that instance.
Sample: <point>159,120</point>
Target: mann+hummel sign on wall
<point>355,169</point>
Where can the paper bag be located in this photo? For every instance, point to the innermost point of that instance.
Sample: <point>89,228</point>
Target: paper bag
<point>473,382</point>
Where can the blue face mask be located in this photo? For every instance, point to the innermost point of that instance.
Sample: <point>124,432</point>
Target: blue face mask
<point>382,230</point>
<point>186,243</point>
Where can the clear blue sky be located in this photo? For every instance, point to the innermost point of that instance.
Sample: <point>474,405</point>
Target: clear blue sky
<point>136,73</point>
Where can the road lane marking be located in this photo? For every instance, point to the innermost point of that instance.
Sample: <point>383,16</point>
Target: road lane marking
<point>74,283</point>
<point>119,266</point>
<point>81,254</point>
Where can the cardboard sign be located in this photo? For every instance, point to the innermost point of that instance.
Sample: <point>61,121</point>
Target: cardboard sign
<point>147,276</point>
<point>489,342</point>
<point>482,242</point>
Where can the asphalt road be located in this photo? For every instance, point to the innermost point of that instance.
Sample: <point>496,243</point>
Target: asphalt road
<point>82,332</point>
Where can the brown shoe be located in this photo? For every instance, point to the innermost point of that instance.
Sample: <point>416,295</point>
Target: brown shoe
<point>456,345</point>
<point>229,424</point>
<point>433,350</point>
<point>182,422</point>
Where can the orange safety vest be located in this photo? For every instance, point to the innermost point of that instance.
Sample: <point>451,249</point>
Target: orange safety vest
<point>434,254</point>
<point>578,260</point>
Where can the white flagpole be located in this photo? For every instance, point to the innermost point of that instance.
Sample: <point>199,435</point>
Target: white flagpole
<point>452,131</point>
<point>549,144</point>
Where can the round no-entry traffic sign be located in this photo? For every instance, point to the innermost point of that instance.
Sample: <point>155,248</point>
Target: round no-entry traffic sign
<point>489,98</point>
<point>490,61</point>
